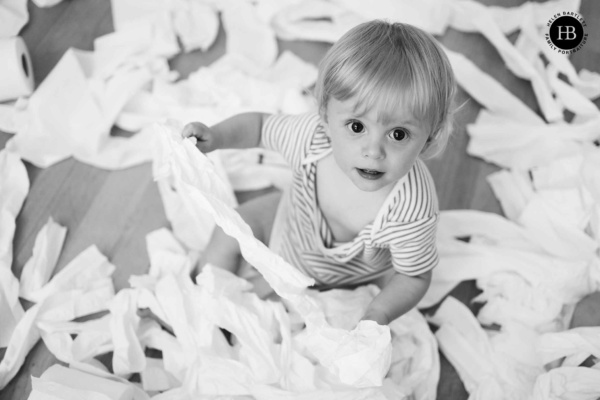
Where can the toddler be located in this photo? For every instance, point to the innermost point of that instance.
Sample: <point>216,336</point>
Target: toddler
<point>362,207</point>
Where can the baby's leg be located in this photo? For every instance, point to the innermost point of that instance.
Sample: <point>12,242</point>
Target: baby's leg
<point>259,213</point>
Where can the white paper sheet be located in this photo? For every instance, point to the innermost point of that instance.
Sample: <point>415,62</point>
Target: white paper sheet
<point>193,230</point>
<point>511,18</point>
<point>155,378</point>
<point>39,268</point>
<point>10,309</point>
<point>46,3</point>
<point>128,354</point>
<point>328,21</point>
<point>57,379</point>
<point>138,393</point>
<point>513,188</point>
<point>83,287</point>
<point>588,83</point>
<point>526,285</point>
<point>557,219</point>
<point>45,136</point>
<point>471,16</point>
<point>13,16</point>
<point>141,44</point>
<point>514,144</point>
<point>247,35</point>
<point>255,325</point>
<point>314,20</point>
<point>254,169</point>
<point>532,19</point>
<point>167,256</point>
<point>591,183</point>
<point>180,162</point>
<point>489,369</point>
<point>196,24</point>
<point>228,86</point>
<point>521,280</point>
<point>573,343</point>
<point>488,92</point>
<point>14,186</point>
<point>570,383</point>
<point>92,338</point>
<point>225,300</point>
<point>430,15</point>
<point>9,114</point>
<point>184,166</point>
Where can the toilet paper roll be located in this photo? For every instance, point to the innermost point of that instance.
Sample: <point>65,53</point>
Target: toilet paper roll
<point>16,74</point>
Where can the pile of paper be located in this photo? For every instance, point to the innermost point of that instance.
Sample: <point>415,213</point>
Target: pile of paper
<point>532,266</point>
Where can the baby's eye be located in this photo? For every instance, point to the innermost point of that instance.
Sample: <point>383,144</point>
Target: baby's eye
<point>356,127</point>
<point>398,134</point>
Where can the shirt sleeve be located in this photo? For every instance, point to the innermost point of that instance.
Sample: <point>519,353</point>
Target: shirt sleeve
<point>411,224</point>
<point>290,135</point>
<point>413,249</point>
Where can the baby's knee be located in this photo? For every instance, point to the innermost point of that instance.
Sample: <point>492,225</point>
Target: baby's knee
<point>222,251</point>
<point>259,214</point>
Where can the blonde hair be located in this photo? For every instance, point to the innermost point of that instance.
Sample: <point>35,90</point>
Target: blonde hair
<point>385,65</point>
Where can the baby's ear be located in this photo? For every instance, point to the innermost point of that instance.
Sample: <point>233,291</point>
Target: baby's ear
<point>430,140</point>
<point>435,144</point>
<point>428,144</point>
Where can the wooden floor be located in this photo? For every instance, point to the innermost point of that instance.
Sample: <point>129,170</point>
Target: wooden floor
<point>115,210</point>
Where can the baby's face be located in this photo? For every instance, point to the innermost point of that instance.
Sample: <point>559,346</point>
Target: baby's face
<point>373,155</point>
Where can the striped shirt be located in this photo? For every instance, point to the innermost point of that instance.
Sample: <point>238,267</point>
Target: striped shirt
<point>402,235</point>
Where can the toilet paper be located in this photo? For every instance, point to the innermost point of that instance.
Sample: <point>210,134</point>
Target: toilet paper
<point>16,73</point>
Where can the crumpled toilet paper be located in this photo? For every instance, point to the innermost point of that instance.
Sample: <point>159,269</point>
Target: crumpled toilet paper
<point>314,20</point>
<point>45,137</point>
<point>39,268</point>
<point>248,36</point>
<point>531,270</point>
<point>83,287</point>
<point>70,383</point>
<point>569,383</point>
<point>490,366</point>
<point>190,173</point>
<point>14,186</point>
<point>574,344</point>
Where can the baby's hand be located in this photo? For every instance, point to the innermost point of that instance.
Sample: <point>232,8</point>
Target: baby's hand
<point>205,137</point>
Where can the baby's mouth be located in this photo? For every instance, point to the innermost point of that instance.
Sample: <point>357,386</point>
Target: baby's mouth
<point>369,173</point>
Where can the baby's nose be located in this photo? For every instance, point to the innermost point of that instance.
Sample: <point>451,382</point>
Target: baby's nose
<point>373,148</point>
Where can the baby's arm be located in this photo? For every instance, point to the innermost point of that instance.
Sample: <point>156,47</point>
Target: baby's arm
<point>241,131</point>
<point>400,294</point>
